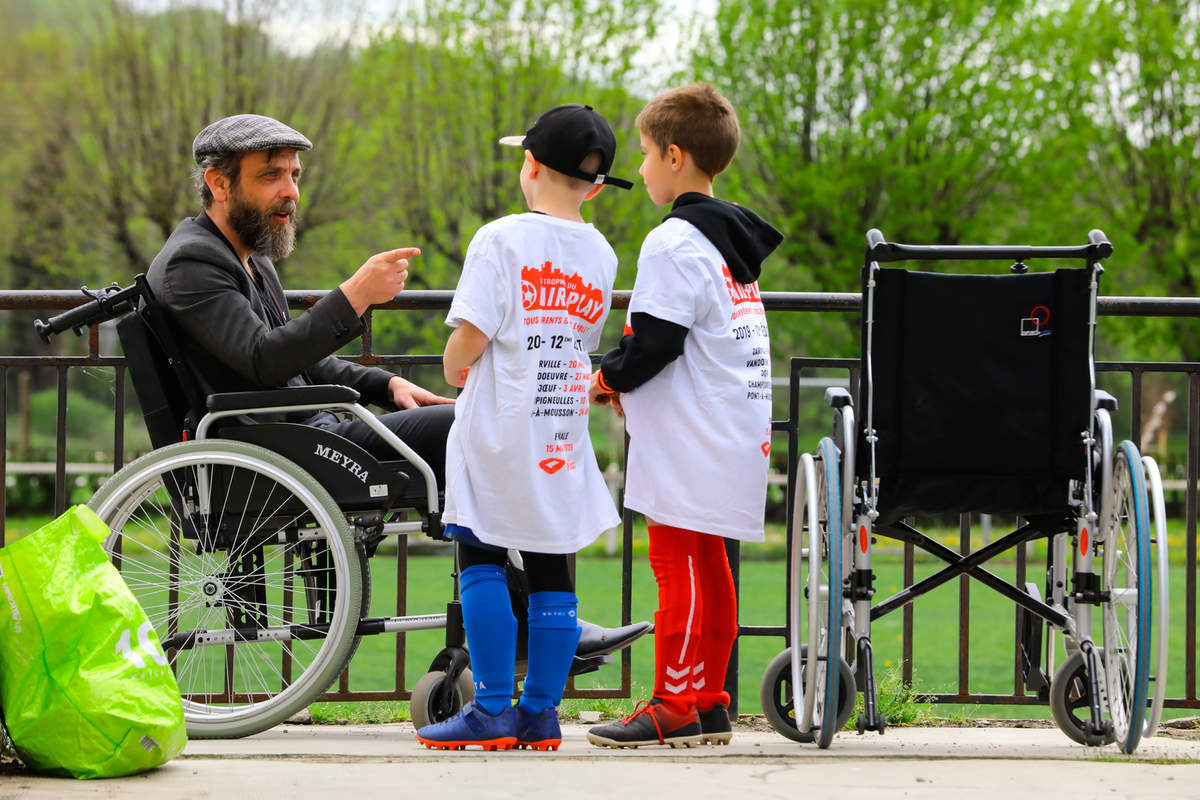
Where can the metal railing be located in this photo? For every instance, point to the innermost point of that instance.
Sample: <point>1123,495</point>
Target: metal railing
<point>52,301</point>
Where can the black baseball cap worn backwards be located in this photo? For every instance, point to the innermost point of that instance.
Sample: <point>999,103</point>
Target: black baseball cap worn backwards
<point>564,136</point>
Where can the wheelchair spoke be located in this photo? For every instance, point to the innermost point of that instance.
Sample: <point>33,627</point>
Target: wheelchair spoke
<point>272,558</point>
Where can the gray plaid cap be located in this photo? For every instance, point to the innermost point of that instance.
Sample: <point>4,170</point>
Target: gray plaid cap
<point>246,132</point>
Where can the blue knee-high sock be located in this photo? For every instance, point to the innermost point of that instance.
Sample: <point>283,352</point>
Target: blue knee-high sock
<point>553,635</point>
<point>491,635</point>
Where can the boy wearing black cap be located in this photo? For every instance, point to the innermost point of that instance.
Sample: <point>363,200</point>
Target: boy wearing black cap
<point>530,304</point>
<point>693,377</point>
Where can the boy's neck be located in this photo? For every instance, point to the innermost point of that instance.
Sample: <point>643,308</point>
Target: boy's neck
<point>696,182</point>
<point>553,204</point>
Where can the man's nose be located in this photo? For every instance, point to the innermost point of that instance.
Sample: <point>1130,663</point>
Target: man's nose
<point>290,190</point>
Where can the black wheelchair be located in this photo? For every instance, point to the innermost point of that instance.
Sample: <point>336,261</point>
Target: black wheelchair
<point>247,543</point>
<point>980,396</point>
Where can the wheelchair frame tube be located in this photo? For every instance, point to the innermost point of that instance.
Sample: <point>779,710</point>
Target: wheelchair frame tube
<point>1089,436</point>
<point>872,497</point>
<point>367,417</point>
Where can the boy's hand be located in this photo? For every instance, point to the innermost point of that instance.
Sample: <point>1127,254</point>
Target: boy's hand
<point>598,396</point>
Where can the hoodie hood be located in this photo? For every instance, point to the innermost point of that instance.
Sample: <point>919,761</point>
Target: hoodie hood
<point>740,235</point>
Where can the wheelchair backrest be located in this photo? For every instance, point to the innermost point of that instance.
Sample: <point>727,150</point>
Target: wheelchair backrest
<point>982,387</point>
<point>169,394</point>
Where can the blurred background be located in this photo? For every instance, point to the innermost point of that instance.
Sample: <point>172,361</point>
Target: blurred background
<point>938,121</point>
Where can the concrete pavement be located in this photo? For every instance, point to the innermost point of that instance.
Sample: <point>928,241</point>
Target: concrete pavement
<point>323,761</point>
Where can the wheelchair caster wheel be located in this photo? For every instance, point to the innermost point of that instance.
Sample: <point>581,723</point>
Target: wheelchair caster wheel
<point>1069,702</point>
<point>776,696</point>
<point>431,703</point>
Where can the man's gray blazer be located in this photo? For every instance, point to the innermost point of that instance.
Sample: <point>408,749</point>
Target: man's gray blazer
<point>227,333</point>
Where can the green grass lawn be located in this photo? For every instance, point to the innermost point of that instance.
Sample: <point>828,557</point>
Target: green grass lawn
<point>598,586</point>
<point>762,603</point>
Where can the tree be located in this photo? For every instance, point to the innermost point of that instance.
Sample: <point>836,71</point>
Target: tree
<point>432,98</point>
<point>918,117</point>
<point>1128,113</point>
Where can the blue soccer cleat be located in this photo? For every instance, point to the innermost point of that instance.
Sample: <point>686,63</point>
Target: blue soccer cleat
<point>538,731</point>
<point>472,726</point>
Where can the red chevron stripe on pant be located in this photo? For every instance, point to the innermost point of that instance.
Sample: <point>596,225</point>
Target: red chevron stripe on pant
<point>696,621</point>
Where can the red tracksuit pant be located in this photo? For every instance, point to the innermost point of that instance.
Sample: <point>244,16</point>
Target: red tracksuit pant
<point>696,621</point>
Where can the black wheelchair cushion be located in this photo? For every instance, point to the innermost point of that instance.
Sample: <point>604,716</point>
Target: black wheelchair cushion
<point>354,478</point>
<point>322,394</point>
<point>981,391</point>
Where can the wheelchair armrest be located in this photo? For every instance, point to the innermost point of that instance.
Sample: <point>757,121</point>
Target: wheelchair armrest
<point>292,396</point>
<point>837,397</point>
<point>1105,400</point>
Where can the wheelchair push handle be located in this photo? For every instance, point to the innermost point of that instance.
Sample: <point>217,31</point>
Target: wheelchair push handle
<point>874,239</point>
<point>1100,243</point>
<point>107,303</point>
<point>1097,248</point>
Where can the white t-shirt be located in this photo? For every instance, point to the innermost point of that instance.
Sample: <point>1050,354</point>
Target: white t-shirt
<point>700,430</point>
<point>520,470</point>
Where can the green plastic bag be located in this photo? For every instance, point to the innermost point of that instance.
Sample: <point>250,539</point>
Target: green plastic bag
<point>84,684</point>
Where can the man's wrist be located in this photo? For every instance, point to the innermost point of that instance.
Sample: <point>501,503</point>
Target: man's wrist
<point>353,296</point>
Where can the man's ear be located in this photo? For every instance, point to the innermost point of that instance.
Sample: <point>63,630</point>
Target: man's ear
<point>595,190</point>
<point>534,164</point>
<point>218,184</point>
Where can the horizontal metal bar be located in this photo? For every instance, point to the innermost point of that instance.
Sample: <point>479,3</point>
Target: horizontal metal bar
<point>402,528</point>
<point>762,630</point>
<point>419,622</point>
<point>439,300</point>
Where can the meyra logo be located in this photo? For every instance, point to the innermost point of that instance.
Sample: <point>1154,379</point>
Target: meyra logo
<point>1036,323</point>
<point>342,460</point>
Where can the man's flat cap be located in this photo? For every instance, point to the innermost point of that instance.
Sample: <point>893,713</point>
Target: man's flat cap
<point>246,132</point>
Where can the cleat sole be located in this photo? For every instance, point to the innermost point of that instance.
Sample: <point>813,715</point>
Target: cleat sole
<point>504,743</point>
<point>716,738</point>
<point>682,741</point>
<point>545,744</point>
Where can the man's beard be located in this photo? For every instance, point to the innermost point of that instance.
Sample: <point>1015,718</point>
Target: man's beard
<point>257,229</point>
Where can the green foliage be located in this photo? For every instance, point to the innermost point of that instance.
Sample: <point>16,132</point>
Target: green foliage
<point>955,122</point>
<point>944,121</point>
<point>896,703</point>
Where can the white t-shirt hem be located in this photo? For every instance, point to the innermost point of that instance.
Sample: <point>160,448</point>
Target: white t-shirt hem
<point>558,546</point>
<point>698,524</point>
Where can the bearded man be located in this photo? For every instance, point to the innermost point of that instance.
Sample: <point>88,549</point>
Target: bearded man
<point>215,275</point>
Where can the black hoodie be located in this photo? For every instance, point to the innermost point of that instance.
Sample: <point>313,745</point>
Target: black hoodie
<point>741,237</point>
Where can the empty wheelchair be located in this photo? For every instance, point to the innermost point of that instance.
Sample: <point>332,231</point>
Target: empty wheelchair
<point>977,394</point>
<point>247,543</point>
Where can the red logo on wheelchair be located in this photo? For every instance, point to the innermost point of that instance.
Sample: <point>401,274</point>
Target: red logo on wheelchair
<point>1035,324</point>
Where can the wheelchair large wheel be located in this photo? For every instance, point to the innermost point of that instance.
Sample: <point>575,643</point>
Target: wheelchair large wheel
<point>818,513</point>
<point>248,572</point>
<point>778,702</point>
<point>1162,595</point>
<point>1127,583</point>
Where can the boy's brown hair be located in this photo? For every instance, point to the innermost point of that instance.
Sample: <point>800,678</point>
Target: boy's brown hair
<point>695,118</point>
